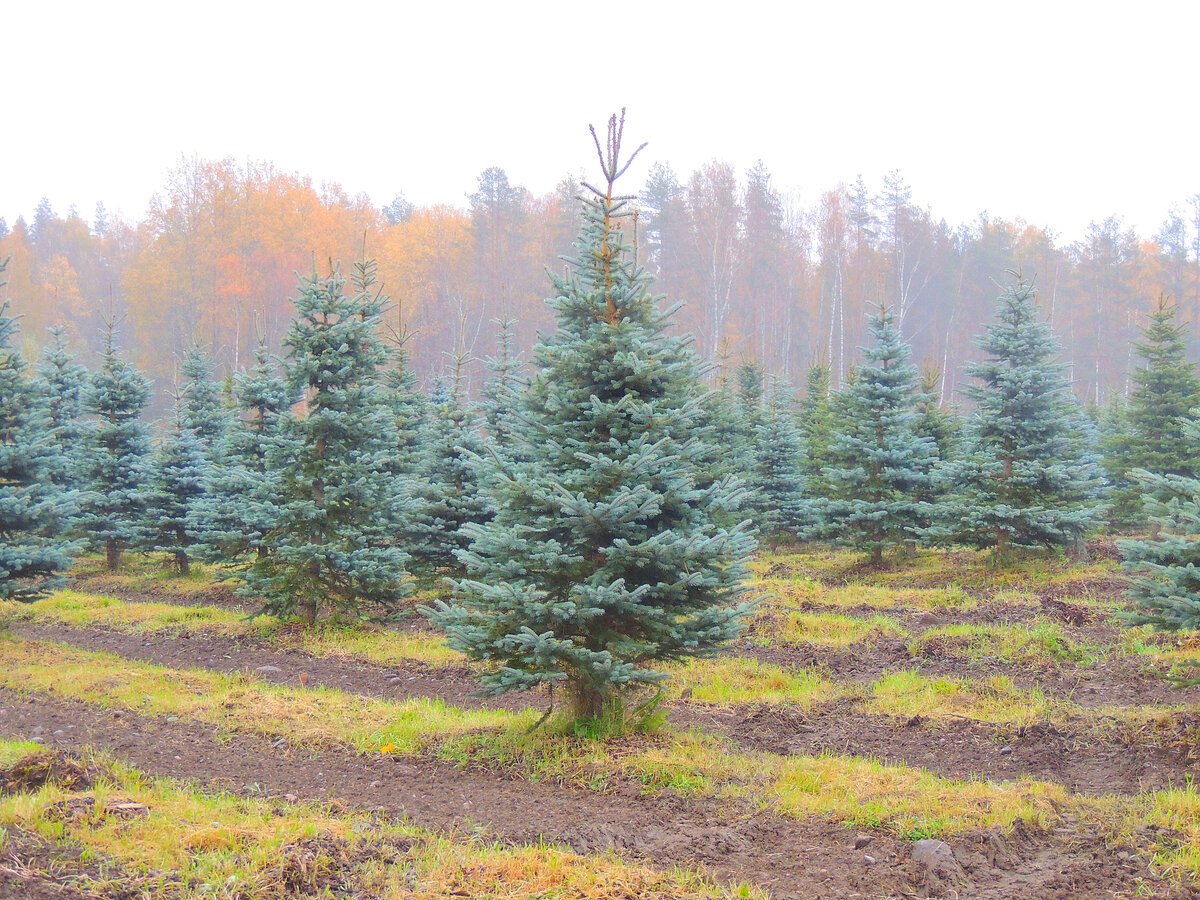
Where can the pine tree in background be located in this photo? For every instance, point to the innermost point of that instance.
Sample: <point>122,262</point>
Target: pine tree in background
<point>1165,587</point>
<point>61,382</point>
<point>727,453</point>
<point>331,545</point>
<point>817,421</point>
<point>116,456</point>
<point>941,426</point>
<point>406,403</point>
<point>880,459</point>
<point>32,554</point>
<point>603,558</point>
<point>501,394</point>
<point>448,487</point>
<point>1025,477</point>
<point>177,489</point>
<point>1151,425</point>
<point>240,507</point>
<point>750,416</point>
<point>778,475</point>
<point>201,405</point>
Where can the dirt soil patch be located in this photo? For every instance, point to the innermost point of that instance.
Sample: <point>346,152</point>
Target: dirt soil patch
<point>792,859</point>
<point>953,748</point>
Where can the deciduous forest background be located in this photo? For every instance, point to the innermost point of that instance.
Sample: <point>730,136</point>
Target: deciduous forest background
<point>215,258</point>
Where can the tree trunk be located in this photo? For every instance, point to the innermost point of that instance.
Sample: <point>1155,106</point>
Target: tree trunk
<point>112,552</point>
<point>586,701</point>
<point>183,563</point>
<point>877,555</point>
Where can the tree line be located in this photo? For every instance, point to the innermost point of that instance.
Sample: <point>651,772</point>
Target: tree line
<point>761,276</point>
<point>596,510</point>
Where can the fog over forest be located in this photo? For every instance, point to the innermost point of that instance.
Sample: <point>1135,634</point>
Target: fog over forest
<point>760,275</point>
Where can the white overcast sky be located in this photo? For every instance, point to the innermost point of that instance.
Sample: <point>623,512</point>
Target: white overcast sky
<point>1060,112</point>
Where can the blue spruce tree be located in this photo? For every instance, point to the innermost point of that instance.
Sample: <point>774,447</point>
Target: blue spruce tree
<point>339,506</point>
<point>407,404</point>
<point>177,491</point>
<point>777,480</point>
<point>115,461</point>
<point>62,382</point>
<point>1146,432</point>
<point>1025,476</point>
<point>201,407</point>
<point>1165,587</point>
<point>502,392</point>
<point>32,552</point>
<point>880,459</point>
<point>241,499</point>
<point>603,559</point>
<point>448,487</point>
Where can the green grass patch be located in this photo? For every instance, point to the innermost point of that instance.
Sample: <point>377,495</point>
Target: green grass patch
<point>1036,644</point>
<point>733,680</point>
<point>996,700</point>
<point>313,717</point>
<point>832,629</point>
<point>376,645</point>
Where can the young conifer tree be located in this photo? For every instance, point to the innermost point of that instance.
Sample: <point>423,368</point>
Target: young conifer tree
<point>502,392</point>
<point>816,431</point>
<point>881,460</point>
<point>32,552</point>
<point>179,478</point>
<point>407,404</point>
<point>1150,435</point>
<point>1165,587</point>
<point>61,381</point>
<point>339,506</point>
<point>201,406</point>
<point>604,558</point>
<point>242,497</point>
<point>1026,476</point>
<point>448,487</point>
<point>115,461</point>
<point>778,476</point>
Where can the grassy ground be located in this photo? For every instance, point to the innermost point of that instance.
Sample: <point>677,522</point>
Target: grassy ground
<point>159,837</point>
<point>944,637</point>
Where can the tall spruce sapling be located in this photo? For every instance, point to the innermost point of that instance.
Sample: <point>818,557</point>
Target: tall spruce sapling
<point>115,461</point>
<point>407,404</point>
<point>1147,431</point>
<point>1165,587</point>
<point>604,559</point>
<point>880,460</point>
<point>503,389</point>
<point>338,505</point>
<point>242,496</point>
<point>62,381</point>
<point>1026,476</point>
<point>728,455</point>
<point>177,490</point>
<point>778,476</point>
<point>817,421</point>
<point>448,488</point>
<point>202,408</point>
<point>748,421</point>
<point>32,507</point>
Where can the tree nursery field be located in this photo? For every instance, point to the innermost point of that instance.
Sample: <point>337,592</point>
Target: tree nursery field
<point>944,727</point>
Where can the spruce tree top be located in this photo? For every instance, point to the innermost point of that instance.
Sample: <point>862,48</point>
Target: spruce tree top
<point>200,400</point>
<point>1029,478</point>
<point>603,558</point>
<point>1167,391</point>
